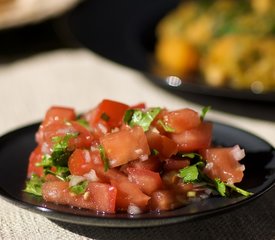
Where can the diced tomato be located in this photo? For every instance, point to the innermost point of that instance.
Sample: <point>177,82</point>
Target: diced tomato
<point>164,145</point>
<point>182,120</point>
<point>129,193</point>
<point>35,157</point>
<point>110,111</point>
<point>125,145</point>
<point>82,139</point>
<point>59,114</point>
<point>51,178</point>
<point>164,200</point>
<point>103,196</point>
<point>98,196</point>
<point>148,181</point>
<point>173,164</point>
<point>80,162</point>
<point>138,106</point>
<point>222,164</point>
<point>153,164</point>
<point>100,128</point>
<point>194,139</point>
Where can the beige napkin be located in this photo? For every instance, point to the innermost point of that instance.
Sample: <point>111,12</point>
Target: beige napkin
<point>20,12</point>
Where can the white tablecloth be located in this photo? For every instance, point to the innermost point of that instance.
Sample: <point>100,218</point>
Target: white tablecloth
<point>80,79</point>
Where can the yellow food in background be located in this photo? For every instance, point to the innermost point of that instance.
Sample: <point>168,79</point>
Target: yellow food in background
<point>177,56</point>
<point>230,43</point>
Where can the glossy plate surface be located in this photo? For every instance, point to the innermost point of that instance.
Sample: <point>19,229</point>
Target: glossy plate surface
<point>16,146</point>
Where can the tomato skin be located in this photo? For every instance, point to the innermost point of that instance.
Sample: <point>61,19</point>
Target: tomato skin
<point>84,139</point>
<point>173,164</point>
<point>35,157</point>
<point>125,145</point>
<point>182,120</point>
<point>194,139</point>
<point>138,106</point>
<point>129,193</point>
<point>148,181</point>
<point>114,111</point>
<point>222,164</point>
<point>56,113</point>
<point>164,145</point>
<point>103,197</point>
<point>81,161</point>
<point>164,200</point>
<point>152,164</point>
<point>99,197</point>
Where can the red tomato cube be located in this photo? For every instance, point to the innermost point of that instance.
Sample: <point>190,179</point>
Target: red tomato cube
<point>182,120</point>
<point>148,181</point>
<point>98,196</point>
<point>195,138</point>
<point>59,114</point>
<point>222,164</point>
<point>125,145</point>
<point>112,112</point>
<point>164,145</point>
<point>35,157</point>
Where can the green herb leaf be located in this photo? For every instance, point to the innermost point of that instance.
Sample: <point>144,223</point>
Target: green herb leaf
<point>204,111</point>
<point>104,158</point>
<point>239,190</point>
<point>220,187</point>
<point>154,152</point>
<point>83,122</point>
<point>128,116</point>
<point>192,155</point>
<point>45,162</point>
<point>34,185</point>
<point>61,172</point>
<point>61,153</point>
<point>138,117</point>
<point>166,127</point>
<point>189,174</point>
<point>61,142</point>
<point>105,117</point>
<point>79,188</point>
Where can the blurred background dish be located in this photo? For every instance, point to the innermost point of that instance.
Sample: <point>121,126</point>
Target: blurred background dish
<point>127,33</point>
<point>229,43</point>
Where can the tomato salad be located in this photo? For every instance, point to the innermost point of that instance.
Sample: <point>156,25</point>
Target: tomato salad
<point>134,159</point>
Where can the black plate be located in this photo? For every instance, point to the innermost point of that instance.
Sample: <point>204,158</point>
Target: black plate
<point>16,146</point>
<point>124,31</point>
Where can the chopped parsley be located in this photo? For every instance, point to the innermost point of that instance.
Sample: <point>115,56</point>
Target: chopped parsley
<point>104,158</point>
<point>204,111</point>
<point>194,174</point>
<point>192,155</point>
<point>141,118</point>
<point>61,151</point>
<point>59,157</point>
<point>166,127</point>
<point>79,188</point>
<point>34,185</point>
<point>83,122</point>
<point>105,117</point>
<point>191,173</point>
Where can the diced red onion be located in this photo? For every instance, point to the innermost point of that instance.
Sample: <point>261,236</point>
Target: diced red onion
<point>74,180</point>
<point>238,153</point>
<point>91,176</point>
<point>133,209</point>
